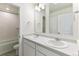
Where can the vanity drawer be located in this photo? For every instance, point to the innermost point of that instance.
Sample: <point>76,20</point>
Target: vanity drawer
<point>25,41</point>
<point>45,51</point>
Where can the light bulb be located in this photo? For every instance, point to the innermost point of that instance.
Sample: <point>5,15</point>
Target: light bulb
<point>37,8</point>
<point>41,6</point>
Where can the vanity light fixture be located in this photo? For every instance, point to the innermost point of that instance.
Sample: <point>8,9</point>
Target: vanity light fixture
<point>39,7</point>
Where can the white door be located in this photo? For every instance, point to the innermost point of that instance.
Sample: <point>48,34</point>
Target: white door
<point>28,50</point>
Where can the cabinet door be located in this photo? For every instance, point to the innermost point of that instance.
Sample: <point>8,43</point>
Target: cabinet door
<point>45,51</point>
<point>28,50</point>
<point>39,54</point>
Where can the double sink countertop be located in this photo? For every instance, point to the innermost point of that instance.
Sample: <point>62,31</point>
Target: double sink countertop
<point>71,49</point>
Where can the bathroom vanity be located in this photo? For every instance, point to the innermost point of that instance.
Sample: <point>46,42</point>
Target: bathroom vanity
<point>37,46</point>
<point>56,31</point>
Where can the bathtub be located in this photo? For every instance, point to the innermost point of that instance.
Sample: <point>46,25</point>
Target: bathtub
<point>7,45</point>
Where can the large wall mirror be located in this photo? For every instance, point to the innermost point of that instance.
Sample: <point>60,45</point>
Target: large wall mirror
<point>54,19</point>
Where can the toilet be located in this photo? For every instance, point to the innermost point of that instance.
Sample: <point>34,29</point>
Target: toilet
<point>16,47</point>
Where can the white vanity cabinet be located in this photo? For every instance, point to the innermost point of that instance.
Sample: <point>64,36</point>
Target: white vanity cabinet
<point>33,49</point>
<point>28,48</point>
<point>44,51</point>
<point>28,51</point>
<point>39,53</point>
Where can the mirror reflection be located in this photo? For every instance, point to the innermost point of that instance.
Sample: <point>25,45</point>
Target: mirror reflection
<point>54,18</point>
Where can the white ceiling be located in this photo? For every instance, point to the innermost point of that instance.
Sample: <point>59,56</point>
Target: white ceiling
<point>12,9</point>
<point>52,6</point>
<point>58,6</point>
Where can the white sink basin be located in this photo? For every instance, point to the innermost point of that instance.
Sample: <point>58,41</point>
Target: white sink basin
<point>57,44</point>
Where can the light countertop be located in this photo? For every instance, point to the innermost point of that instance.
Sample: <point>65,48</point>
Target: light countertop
<point>71,49</point>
